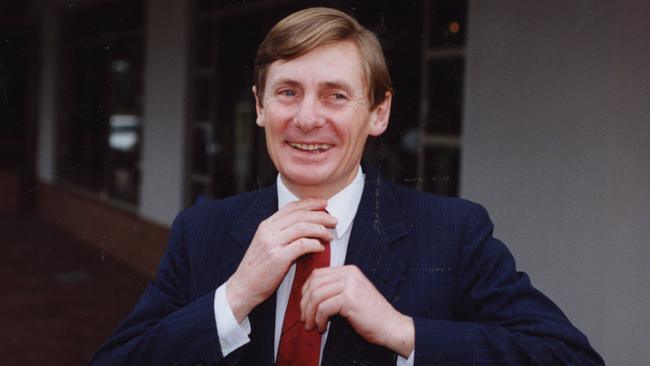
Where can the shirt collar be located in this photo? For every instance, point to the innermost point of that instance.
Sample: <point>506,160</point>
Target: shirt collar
<point>343,205</point>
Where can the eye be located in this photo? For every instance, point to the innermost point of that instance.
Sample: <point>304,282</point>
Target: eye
<point>338,98</point>
<point>287,93</point>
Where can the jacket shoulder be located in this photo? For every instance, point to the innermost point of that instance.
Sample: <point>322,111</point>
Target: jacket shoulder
<point>419,202</point>
<point>221,212</point>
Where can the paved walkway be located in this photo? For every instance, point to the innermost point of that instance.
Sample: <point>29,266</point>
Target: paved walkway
<point>59,299</point>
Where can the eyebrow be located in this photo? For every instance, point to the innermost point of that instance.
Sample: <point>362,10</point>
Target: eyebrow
<point>284,81</point>
<point>333,84</point>
<point>337,84</point>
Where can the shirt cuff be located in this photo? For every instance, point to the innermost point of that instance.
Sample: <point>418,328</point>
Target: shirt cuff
<point>232,335</point>
<point>401,361</point>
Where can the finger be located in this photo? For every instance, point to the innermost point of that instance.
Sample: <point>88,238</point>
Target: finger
<point>320,277</point>
<point>300,247</point>
<point>325,309</point>
<point>299,230</point>
<point>271,234</point>
<point>316,217</point>
<point>312,299</point>
<point>305,230</point>
<point>307,204</point>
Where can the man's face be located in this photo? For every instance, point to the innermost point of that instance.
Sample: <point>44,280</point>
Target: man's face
<point>316,115</point>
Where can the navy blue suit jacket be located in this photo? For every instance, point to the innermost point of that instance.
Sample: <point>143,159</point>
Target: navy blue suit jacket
<point>434,259</point>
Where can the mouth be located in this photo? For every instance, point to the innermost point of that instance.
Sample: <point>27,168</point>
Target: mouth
<point>310,147</point>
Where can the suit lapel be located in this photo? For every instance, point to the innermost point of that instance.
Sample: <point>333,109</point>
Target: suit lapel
<point>263,205</point>
<point>378,225</point>
<point>259,351</point>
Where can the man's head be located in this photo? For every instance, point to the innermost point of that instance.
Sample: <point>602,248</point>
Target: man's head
<point>322,88</point>
<point>308,29</point>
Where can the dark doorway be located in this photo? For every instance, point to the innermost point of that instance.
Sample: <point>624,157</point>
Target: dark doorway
<point>18,107</point>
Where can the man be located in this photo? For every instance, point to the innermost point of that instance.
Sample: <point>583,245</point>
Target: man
<point>333,265</point>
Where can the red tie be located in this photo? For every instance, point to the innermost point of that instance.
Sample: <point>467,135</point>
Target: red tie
<point>299,347</point>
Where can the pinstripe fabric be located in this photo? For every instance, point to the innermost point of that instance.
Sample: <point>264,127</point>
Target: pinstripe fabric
<point>433,258</point>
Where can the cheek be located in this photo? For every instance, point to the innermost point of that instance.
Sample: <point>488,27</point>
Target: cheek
<point>273,128</point>
<point>277,121</point>
<point>357,131</point>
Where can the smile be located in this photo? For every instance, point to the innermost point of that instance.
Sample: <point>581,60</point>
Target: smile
<point>310,147</point>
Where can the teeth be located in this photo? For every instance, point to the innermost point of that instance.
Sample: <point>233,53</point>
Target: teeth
<point>310,147</point>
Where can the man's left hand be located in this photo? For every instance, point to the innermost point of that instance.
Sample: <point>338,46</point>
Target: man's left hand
<point>346,291</point>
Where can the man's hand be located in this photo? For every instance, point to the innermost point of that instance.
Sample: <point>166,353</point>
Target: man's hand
<point>346,291</point>
<point>281,239</point>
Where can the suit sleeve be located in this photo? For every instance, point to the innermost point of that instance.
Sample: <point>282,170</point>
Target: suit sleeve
<point>502,318</point>
<point>165,327</point>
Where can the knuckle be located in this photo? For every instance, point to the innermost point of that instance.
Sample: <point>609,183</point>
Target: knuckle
<point>299,227</point>
<point>320,308</point>
<point>312,242</point>
<point>323,229</point>
<point>304,243</point>
<point>263,241</point>
<point>273,255</point>
<point>305,226</point>
<point>309,298</point>
<point>310,200</point>
<point>321,215</point>
<point>315,294</point>
<point>348,293</point>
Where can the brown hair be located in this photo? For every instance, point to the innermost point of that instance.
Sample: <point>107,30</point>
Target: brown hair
<point>305,30</point>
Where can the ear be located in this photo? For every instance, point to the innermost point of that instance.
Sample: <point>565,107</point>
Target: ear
<point>380,116</point>
<point>258,107</point>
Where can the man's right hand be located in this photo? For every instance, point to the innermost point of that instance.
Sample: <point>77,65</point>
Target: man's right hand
<point>294,230</point>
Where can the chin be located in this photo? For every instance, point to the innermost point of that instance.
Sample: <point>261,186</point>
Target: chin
<point>306,177</point>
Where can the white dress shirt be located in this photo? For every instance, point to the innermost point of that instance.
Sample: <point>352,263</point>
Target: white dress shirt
<point>343,206</point>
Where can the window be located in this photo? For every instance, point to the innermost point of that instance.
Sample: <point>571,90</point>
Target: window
<point>99,134</point>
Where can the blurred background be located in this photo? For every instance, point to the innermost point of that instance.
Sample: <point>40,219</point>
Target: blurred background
<point>116,114</point>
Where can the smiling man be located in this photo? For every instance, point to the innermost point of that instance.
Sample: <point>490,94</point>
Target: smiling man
<point>317,115</point>
<point>333,265</point>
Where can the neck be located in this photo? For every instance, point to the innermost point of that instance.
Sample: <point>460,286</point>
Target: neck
<point>322,191</point>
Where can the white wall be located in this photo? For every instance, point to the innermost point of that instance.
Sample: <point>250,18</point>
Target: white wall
<point>557,146</point>
<point>45,154</point>
<point>165,85</point>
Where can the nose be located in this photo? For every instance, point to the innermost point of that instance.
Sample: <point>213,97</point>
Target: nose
<point>309,115</point>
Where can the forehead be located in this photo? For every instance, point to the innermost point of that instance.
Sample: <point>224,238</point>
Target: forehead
<point>325,65</point>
